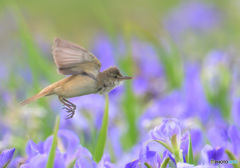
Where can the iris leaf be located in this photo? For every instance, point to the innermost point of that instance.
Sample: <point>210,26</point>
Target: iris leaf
<point>190,151</point>
<point>102,138</point>
<point>51,157</point>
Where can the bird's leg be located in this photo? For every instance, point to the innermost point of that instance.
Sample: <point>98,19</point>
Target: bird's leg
<point>70,104</point>
<point>70,107</point>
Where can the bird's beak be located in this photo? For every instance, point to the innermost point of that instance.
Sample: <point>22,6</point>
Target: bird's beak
<point>125,77</point>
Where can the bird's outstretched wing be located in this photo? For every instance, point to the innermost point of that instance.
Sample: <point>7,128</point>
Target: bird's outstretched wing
<point>72,59</point>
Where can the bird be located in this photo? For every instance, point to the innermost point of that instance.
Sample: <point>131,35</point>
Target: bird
<point>84,77</point>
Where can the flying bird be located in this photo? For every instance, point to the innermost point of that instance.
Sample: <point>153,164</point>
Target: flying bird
<point>85,76</point>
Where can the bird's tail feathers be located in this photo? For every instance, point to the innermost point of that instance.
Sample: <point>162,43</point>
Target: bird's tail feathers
<point>33,98</point>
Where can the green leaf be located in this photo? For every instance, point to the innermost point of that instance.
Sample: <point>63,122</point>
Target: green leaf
<point>51,157</point>
<point>176,151</point>
<point>7,164</point>
<point>232,157</point>
<point>103,134</point>
<point>190,151</point>
<point>147,165</point>
<point>72,163</point>
<point>165,163</point>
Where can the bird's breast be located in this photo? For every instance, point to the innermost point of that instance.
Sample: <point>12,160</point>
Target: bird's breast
<point>108,86</point>
<point>77,85</point>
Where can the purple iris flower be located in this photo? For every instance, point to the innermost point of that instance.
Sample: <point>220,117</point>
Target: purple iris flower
<point>167,131</point>
<point>69,150</point>
<point>6,157</point>
<point>149,157</point>
<point>38,153</point>
<point>208,153</point>
<point>85,160</point>
<point>132,164</point>
<point>149,76</point>
<point>40,161</point>
<point>217,135</point>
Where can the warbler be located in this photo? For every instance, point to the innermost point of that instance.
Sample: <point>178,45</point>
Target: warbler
<point>85,76</point>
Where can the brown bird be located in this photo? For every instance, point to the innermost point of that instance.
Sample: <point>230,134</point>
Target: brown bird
<point>86,78</point>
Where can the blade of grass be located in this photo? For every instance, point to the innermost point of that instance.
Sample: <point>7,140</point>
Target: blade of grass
<point>102,138</point>
<point>190,151</point>
<point>51,156</point>
<point>147,165</point>
<point>165,162</point>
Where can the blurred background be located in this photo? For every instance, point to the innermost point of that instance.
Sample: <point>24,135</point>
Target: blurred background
<point>183,56</point>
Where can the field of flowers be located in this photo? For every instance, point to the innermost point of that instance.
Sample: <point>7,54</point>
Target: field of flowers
<point>180,110</point>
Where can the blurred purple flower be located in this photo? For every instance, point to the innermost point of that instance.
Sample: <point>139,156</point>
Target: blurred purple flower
<point>236,112</point>
<point>132,164</point>
<point>114,136</point>
<point>197,142</point>
<point>33,149</point>
<point>104,51</point>
<point>193,91</point>
<point>194,16</point>
<point>147,59</point>
<point>169,133</point>
<point>217,135</point>
<point>40,151</point>
<point>6,157</point>
<point>150,157</point>
<point>208,153</point>
<point>85,159</point>
<point>234,136</point>
<point>189,101</point>
<point>149,69</point>
<point>68,151</point>
<point>40,161</point>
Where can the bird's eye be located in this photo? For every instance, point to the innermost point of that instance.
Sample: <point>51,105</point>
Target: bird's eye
<point>115,77</point>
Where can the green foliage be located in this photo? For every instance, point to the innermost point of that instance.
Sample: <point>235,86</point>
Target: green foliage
<point>102,138</point>
<point>51,155</point>
<point>147,165</point>
<point>190,151</point>
<point>165,162</point>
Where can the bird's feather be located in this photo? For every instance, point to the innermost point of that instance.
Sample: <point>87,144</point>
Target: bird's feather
<point>72,59</point>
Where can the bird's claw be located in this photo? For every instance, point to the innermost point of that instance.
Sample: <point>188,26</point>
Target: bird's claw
<point>70,111</point>
<point>70,115</point>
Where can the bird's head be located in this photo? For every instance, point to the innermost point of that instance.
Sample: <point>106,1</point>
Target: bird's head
<point>110,78</point>
<point>113,74</point>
